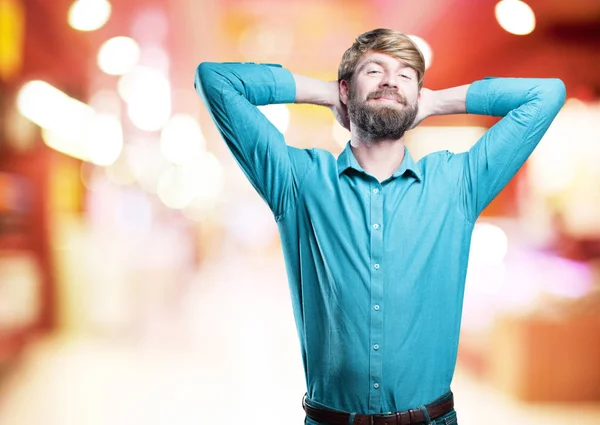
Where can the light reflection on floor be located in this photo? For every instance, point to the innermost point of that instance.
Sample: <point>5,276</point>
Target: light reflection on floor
<point>210,360</point>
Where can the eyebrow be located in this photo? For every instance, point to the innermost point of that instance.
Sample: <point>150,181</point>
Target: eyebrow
<point>378,62</point>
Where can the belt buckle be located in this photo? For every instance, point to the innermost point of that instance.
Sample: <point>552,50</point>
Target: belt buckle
<point>372,420</point>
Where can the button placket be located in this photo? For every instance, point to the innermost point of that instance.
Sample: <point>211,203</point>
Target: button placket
<point>376,287</point>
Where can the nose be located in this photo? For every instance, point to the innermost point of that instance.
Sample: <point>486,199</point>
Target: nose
<point>389,80</point>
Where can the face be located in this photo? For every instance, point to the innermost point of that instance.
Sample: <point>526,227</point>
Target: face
<point>382,100</point>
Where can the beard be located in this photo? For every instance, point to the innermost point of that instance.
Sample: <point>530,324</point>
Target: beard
<point>377,123</point>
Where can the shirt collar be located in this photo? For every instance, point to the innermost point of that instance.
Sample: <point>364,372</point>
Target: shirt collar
<point>346,160</point>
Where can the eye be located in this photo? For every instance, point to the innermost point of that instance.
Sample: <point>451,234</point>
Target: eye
<point>405,76</point>
<point>373,71</point>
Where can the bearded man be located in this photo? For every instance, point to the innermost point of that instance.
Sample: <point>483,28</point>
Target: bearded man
<point>376,246</point>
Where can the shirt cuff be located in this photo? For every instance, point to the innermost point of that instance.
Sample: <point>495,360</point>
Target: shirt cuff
<point>285,84</point>
<point>478,95</point>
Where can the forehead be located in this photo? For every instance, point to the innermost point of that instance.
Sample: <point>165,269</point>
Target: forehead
<point>381,59</point>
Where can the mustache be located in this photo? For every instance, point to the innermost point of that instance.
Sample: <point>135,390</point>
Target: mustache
<point>388,93</point>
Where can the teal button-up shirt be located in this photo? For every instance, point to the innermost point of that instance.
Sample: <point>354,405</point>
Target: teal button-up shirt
<point>376,269</point>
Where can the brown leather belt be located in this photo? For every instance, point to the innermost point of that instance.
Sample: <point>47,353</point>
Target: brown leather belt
<point>409,417</point>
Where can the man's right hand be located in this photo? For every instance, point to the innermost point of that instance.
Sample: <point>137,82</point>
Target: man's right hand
<point>324,93</point>
<point>340,110</point>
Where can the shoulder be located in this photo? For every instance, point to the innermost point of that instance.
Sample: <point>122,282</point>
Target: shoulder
<point>442,164</point>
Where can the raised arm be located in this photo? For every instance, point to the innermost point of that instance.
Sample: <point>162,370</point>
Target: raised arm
<point>528,106</point>
<point>232,92</point>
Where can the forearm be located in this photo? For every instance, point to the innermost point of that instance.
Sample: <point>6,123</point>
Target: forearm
<point>316,92</point>
<point>450,101</point>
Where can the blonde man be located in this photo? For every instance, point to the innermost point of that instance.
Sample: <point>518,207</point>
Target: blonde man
<point>376,246</point>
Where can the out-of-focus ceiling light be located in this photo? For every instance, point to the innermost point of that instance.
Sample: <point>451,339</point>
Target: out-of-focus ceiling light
<point>50,108</point>
<point>424,48</point>
<point>70,126</point>
<point>118,55</point>
<point>515,16</point>
<point>89,15</point>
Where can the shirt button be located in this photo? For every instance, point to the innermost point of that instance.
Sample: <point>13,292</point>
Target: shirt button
<point>376,226</point>
<point>375,190</point>
<point>376,266</point>
<point>376,306</point>
<point>375,385</point>
<point>376,347</point>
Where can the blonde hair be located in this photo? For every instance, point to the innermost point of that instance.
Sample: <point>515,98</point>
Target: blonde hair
<point>390,42</point>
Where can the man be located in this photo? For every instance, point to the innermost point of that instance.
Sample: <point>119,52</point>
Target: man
<point>376,246</point>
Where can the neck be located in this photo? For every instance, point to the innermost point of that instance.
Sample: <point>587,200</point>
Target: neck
<point>380,158</point>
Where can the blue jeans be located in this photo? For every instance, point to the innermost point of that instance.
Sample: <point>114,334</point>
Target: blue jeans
<point>447,419</point>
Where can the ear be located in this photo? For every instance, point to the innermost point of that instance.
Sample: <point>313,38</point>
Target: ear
<point>344,91</point>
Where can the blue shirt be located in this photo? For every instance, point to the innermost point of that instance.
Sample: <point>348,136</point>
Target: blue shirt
<point>376,269</point>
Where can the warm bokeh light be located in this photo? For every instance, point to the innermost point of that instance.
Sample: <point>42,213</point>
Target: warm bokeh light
<point>119,171</point>
<point>106,102</point>
<point>489,245</point>
<point>196,184</point>
<point>71,126</point>
<point>49,107</point>
<point>425,49</point>
<point>177,186</point>
<point>118,55</point>
<point>66,143</point>
<point>279,115</point>
<point>89,15</point>
<point>12,37</point>
<point>181,139</point>
<point>104,139</point>
<point>515,16</point>
<point>146,162</point>
<point>148,95</point>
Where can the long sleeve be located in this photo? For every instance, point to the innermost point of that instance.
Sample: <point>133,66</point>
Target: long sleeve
<point>231,92</point>
<point>528,107</point>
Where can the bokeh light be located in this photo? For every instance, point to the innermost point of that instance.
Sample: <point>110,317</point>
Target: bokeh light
<point>515,16</point>
<point>425,49</point>
<point>89,15</point>
<point>118,55</point>
<point>104,139</point>
<point>50,108</point>
<point>177,185</point>
<point>489,245</point>
<point>181,139</point>
<point>147,93</point>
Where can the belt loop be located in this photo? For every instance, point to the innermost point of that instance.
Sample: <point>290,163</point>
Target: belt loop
<point>425,414</point>
<point>351,418</point>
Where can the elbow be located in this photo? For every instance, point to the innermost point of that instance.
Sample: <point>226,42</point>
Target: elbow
<point>205,72</point>
<point>208,79</point>
<point>555,91</point>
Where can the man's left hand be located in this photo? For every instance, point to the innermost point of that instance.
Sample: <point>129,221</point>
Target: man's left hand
<point>426,106</point>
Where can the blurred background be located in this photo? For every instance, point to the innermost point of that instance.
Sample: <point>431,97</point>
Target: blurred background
<point>141,278</point>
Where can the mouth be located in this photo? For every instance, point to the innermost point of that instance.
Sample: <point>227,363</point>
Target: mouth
<point>386,98</point>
